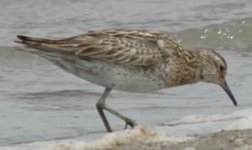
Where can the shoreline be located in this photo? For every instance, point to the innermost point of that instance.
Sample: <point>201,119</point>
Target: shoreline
<point>143,138</point>
<point>223,140</point>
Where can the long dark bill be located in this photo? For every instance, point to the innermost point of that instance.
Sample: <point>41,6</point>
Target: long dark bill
<point>229,93</point>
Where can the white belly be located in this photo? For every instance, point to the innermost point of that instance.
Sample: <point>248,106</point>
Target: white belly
<point>124,78</point>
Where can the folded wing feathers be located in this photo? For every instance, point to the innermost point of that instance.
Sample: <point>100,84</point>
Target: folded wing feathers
<point>122,47</point>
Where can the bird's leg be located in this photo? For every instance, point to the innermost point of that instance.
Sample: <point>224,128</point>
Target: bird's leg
<point>127,120</point>
<point>101,104</point>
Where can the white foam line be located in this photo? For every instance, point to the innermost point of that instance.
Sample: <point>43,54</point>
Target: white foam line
<point>244,123</point>
<point>113,140</point>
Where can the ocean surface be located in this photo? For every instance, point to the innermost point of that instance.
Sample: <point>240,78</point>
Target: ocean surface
<point>40,103</point>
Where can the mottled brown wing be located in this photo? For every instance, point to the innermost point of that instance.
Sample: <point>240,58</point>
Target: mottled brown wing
<point>137,48</point>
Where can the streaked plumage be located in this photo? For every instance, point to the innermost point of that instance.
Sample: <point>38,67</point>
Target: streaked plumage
<point>130,60</point>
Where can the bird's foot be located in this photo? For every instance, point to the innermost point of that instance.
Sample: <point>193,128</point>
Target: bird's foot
<point>129,122</point>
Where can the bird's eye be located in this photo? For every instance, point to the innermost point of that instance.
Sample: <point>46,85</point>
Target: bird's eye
<point>221,68</point>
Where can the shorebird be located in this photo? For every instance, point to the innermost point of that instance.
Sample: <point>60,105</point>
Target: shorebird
<point>130,60</point>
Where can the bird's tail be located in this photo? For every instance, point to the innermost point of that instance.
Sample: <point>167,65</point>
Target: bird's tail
<point>37,45</point>
<point>31,40</point>
<point>30,43</point>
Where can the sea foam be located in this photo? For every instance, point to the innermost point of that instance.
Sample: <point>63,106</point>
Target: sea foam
<point>114,140</point>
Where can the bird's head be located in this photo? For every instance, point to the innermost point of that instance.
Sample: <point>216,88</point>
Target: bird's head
<point>214,70</point>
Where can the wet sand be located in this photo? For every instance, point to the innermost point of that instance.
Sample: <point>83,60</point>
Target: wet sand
<point>143,138</point>
<point>224,140</point>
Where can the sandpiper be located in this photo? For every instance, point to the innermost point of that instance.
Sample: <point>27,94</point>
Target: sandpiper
<point>130,60</point>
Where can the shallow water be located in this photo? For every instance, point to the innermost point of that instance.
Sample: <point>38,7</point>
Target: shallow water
<point>41,102</point>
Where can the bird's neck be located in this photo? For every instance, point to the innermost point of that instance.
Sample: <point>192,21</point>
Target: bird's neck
<point>187,68</point>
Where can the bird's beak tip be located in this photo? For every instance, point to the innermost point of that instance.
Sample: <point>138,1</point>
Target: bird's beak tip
<point>226,88</point>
